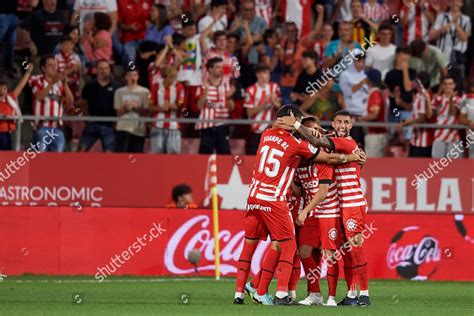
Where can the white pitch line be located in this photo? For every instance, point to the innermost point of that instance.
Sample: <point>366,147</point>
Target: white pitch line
<point>118,280</point>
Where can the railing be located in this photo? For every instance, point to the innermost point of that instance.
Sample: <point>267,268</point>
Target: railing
<point>22,118</point>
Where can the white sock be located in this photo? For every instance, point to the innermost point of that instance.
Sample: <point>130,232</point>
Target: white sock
<point>238,295</point>
<point>351,294</point>
<point>331,298</point>
<point>281,294</point>
<point>315,293</point>
<point>366,292</point>
<point>292,294</point>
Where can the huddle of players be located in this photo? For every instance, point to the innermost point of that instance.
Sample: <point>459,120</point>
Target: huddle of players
<point>295,161</point>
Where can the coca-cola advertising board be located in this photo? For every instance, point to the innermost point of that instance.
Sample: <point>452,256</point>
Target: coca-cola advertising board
<point>145,180</point>
<point>144,241</point>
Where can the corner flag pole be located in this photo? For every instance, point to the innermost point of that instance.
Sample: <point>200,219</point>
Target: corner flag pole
<point>215,214</point>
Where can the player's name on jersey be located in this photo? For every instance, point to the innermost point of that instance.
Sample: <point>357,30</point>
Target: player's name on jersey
<point>277,140</point>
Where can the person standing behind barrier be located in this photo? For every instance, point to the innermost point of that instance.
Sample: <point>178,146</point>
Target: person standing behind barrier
<point>131,102</point>
<point>167,98</point>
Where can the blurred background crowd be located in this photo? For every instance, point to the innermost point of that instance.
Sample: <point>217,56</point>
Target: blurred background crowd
<point>405,62</point>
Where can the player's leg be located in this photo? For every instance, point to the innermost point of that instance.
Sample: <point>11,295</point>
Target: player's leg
<point>266,274</point>
<point>295,276</point>
<point>309,242</point>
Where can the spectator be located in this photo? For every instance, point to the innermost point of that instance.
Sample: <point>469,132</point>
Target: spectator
<point>466,117</point>
<point>231,67</point>
<point>342,11</point>
<point>215,102</point>
<point>399,82</point>
<point>306,78</point>
<point>182,196</point>
<point>268,52</point>
<point>216,17</point>
<point>416,18</point>
<point>240,53</point>
<point>160,27</point>
<point>76,40</point>
<point>446,105</point>
<point>97,40</point>
<point>319,38</point>
<point>51,95</point>
<point>375,12</point>
<point>98,100</point>
<point>131,102</point>
<point>248,20</point>
<point>167,99</point>
<point>298,12</point>
<point>46,26</point>
<point>377,137</point>
<point>355,90</point>
<point>70,63</point>
<point>428,58</point>
<point>8,25</point>
<point>267,10</point>
<point>337,51</point>
<point>262,99</point>
<point>289,61</point>
<point>190,71</point>
<point>382,55</point>
<point>133,17</point>
<point>421,142</point>
<point>9,107</point>
<point>170,54</point>
<point>363,28</point>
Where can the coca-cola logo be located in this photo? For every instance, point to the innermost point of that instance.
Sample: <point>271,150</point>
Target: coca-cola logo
<point>427,250</point>
<point>196,233</point>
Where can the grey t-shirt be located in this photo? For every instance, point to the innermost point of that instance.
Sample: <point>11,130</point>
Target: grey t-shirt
<point>138,96</point>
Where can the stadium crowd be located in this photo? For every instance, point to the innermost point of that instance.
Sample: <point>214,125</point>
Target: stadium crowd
<point>405,62</point>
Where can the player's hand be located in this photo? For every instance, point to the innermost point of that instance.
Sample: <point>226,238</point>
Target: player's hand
<point>301,218</point>
<point>286,121</point>
<point>362,157</point>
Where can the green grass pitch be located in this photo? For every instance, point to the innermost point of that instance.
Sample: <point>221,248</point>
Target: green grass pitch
<point>204,296</point>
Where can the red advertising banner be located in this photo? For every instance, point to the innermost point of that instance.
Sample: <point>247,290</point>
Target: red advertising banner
<point>145,241</point>
<point>145,180</point>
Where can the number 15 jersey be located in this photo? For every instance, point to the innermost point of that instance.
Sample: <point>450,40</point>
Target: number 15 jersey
<point>277,158</point>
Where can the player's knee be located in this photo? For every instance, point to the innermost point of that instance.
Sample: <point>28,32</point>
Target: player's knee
<point>305,251</point>
<point>328,254</point>
<point>275,245</point>
<point>251,241</point>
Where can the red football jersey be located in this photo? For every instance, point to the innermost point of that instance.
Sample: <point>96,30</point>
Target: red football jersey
<point>348,174</point>
<point>278,157</point>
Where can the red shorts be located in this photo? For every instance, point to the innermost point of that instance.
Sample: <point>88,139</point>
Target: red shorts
<point>268,218</point>
<point>353,220</point>
<point>325,233</point>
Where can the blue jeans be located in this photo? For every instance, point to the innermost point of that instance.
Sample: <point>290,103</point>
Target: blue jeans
<point>8,25</point>
<point>130,52</point>
<point>94,131</point>
<point>50,139</point>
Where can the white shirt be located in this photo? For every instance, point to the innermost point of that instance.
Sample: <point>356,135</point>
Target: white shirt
<point>204,23</point>
<point>190,69</point>
<point>355,101</point>
<point>381,58</point>
<point>87,8</point>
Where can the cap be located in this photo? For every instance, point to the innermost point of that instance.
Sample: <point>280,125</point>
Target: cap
<point>358,53</point>
<point>374,76</point>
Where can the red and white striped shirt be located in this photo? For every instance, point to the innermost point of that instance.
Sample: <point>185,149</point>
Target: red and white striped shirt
<point>263,9</point>
<point>154,73</point>
<point>173,94</point>
<point>64,61</point>
<point>277,158</point>
<point>421,137</point>
<point>51,105</point>
<point>376,12</point>
<point>215,106</point>
<point>348,175</point>
<point>298,11</point>
<point>441,105</point>
<point>418,23</point>
<point>256,97</point>
<point>231,65</point>
<point>311,175</point>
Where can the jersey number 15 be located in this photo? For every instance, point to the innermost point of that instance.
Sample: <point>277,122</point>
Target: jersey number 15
<point>269,159</point>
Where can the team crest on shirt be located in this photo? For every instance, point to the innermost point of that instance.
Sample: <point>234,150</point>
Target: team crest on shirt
<point>332,234</point>
<point>312,148</point>
<point>351,224</point>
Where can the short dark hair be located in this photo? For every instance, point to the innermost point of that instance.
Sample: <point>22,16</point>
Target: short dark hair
<point>311,54</point>
<point>3,81</point>
<point>44,60</point>
<point>417,47</point>
<point>178,39</point>
<point>342,113</point>
<point>102,21</point>
<point>179,190</point>
<point>447,77</point>
<point>213,61</point>
<point>261,68</point>
<point>233,35</point>
<point>65,38</point>
<point>287,109</point>
<point>218,34</point>
<point>310,119</point>
<point>268,34</point>
<point>188,22</point>
<point>403,50</point>
<point>386,26</point>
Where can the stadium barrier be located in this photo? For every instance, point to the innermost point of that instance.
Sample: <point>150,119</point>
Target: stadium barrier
<point>101,242</point>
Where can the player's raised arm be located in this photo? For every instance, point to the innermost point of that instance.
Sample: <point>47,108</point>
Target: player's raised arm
<point>311,135</point>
